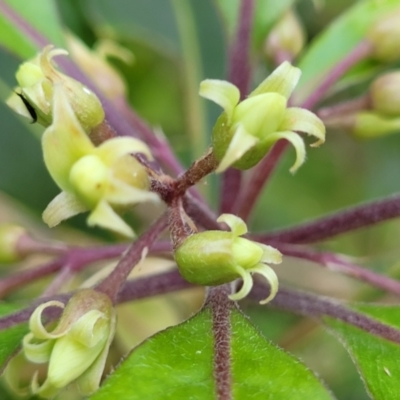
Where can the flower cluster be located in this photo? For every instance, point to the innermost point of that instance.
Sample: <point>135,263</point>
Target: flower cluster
<point>76,349</point>
<point>215,257</point>
<point>99,179</point>
<point>246,130</point>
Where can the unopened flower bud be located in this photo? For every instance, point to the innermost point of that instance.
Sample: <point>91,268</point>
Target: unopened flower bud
<point>385,94</point>
<point>384,37</point>
<point>37,79</point>
<point>246,130</point>
<point>76,350</point>
<point>10,235</point>
<point>286,37</point>
<point>215,257</point>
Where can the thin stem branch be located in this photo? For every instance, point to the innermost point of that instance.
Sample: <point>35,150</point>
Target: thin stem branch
<point>76,258</point>
<point>217,300</point>
<point>239,73</point>
<point>359,53</point>
<point>314,306</point>
<point>113,283</point>
<point>259,177</point>
<point>149,286</point>
<point>337,223</point>
<point>337,263</point>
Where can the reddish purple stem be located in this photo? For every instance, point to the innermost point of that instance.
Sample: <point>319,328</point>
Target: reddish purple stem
<point>340,264</point>
<point>314,306</point>
<point>340,222</point>
<point>239,73</point>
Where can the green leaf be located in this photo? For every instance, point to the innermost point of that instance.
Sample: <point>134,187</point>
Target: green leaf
<point>266,13</point>
<point>335,42</point>
<point>11,338</point>
<point>377,359</point>
<point>178,364</point>
<point>41,15</point>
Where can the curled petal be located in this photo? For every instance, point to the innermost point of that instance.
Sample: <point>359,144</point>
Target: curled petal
<point>104,216</point>
<point>35,322</point>
<point>240,143</point>
<point>236,224</point>
<point>37,352</point>
<point>48,53</point>
<point>297,143</point>
<point>113,149</point>
<point>302,120</point>
<point>63,206</point>
<point>224,93</point>
<point>270,255</point>
<point>89,381</point>
<point>246,287</point>
<point>90,328</point>
<point>122,194</point>
<point>283,80</point>
<point>269,274</point>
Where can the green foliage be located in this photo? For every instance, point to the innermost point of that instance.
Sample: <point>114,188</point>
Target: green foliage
<point>375,358</point>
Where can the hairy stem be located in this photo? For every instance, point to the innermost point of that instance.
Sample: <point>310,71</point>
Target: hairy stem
<point>314,306</point>
<point>337,263</point>
<point>217,300</point>
<point>113,283</point>
<point>239,73</point>
<point>340,222</point>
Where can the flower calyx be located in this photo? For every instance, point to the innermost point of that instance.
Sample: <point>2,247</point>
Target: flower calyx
<point>212,258</point>
<point>34,97</point>
<point>100,179</point>
<point>76,349</point>
<point>247,129</point>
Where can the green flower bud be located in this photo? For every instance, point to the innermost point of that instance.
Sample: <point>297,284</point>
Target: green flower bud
<point>37,79</point>
<point>76,350</point>
<point>215,257</point>
<point>384,35</point>
<point>92,178</point>
<point>286,37</point>
<point>246,130</point>
<point>385,94</point>
<point>10,235</point>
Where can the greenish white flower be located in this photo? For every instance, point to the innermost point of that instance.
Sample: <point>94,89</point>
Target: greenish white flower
<point>96,179</point>
<point>247,129</point>
<point>76,349</point>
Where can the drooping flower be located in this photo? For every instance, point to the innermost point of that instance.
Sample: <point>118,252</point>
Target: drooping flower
<point>215,257</point>
<point>247,129</point>
<point>37,79</point>
<point>98,179</point>
<point>76,349</point>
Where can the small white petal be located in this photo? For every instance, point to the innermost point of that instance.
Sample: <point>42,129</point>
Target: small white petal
<point>113,149</point>
<point>240,143</point>
<point>302,120</point>
<point>35,321</point>
<point>271,255</point>
<point>35,352</point>
<point>282,80</point>
<point>236,224</point>
<point>246,287</point>
<point>104,216</point>
<point>224,93</point>
<point>121,193</point>
<point>297,143</point>
<point>269,274</point>
<point>63,206</point>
